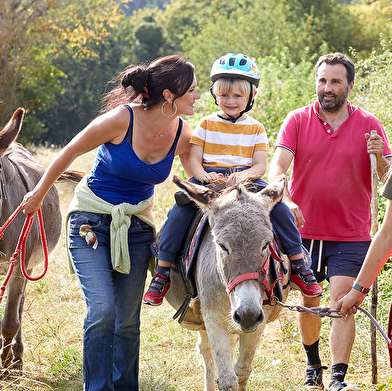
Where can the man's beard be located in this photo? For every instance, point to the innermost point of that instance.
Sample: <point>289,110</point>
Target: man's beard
<point>333,106</point>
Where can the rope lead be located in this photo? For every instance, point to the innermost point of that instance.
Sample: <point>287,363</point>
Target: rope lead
<point>21,247</point>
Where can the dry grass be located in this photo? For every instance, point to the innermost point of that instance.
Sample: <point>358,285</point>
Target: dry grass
<point>54,313</point>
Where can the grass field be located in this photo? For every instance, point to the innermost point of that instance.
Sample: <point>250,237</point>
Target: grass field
<point>54,312</point>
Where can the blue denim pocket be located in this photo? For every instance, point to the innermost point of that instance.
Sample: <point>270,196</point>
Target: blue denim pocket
<point>99,225</point>
<point>95,220</point>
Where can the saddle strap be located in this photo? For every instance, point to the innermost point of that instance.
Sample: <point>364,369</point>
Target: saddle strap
<point>191,293</point>
<point>277,284</point>
<point>274,253</point>
<point>183,263</point>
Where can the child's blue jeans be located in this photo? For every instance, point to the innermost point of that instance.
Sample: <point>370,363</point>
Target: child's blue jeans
<point>179,219</point>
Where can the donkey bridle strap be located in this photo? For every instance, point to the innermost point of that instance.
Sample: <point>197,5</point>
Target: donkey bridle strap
<point>260,275</point>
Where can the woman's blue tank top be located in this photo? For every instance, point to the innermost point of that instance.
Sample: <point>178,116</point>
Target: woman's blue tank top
<point>118,175</point>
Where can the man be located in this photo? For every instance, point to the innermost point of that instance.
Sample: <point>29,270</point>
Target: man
<point>329,194</point>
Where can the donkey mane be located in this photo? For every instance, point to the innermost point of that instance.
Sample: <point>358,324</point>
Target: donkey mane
<point>236,180</point>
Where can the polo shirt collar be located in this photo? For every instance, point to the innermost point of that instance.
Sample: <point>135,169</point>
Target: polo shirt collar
<point>316,105</point>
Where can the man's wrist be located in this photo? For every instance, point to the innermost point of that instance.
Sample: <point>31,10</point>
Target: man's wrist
<point>360,288</point>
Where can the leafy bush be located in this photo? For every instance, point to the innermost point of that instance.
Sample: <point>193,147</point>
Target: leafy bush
<point>372,92</point>
<point>284,86</point>
<point>373,85</point>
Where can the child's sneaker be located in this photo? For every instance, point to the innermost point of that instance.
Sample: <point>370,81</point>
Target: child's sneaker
<point>305,281</point>
<point>159,285</point>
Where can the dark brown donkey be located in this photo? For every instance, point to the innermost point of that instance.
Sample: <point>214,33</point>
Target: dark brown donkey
<point>19,173</point>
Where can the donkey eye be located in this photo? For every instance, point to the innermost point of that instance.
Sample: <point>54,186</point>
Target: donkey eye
<point>224,249</point>
<point>264,248</point>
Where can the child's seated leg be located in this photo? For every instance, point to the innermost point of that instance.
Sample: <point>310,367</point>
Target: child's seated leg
<point>172,236</point>
<point>302,277</point>
<point>159,285</point>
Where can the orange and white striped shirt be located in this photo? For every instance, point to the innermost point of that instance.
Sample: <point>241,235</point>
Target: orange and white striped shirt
<point>227,144</point>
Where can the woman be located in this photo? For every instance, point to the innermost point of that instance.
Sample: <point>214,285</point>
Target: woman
<point>378,254</point>
<point>110,223</point>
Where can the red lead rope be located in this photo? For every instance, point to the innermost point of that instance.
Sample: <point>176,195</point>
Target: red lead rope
<point>21,247</point>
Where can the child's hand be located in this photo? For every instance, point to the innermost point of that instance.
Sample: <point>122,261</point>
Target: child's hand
<point>210,177</point>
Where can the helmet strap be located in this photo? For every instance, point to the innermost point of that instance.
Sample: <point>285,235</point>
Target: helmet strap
<point>212,93</point>
<point>230,118</point>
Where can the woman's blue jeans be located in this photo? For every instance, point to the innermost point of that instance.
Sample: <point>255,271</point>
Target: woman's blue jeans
<point>112,324</point>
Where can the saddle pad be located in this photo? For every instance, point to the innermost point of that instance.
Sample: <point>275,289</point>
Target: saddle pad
<point>186,261</point>
<point>191,251</point>
<point>155,243</point>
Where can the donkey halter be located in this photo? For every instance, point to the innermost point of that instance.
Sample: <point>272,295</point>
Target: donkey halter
<point>259,275</point>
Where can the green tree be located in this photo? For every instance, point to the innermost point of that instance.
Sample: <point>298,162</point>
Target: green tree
<point>373,21</point>
<point>42,38</point>
<point>206,29</point>
<point>57,56</point>
<point>88,55</point>
<point>27,77</point>
<point>212,28</point>
<point>148,41</point>
<point>284,86</point>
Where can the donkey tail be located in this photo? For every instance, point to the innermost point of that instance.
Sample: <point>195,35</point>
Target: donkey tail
<point>72,176</point>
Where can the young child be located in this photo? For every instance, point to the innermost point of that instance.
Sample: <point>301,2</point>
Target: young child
<point>224,142</point>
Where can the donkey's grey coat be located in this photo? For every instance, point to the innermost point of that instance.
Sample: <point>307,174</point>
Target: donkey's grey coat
<point>236,243</point>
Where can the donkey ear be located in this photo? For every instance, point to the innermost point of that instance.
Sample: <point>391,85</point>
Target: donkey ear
<point>273,193</point>
<point>11,130</point>
<point>200,194</point>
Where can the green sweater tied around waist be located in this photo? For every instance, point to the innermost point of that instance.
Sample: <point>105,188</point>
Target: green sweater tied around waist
<point>85,200</point>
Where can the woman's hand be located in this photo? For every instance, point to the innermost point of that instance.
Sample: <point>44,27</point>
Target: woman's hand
<point>31,203</point>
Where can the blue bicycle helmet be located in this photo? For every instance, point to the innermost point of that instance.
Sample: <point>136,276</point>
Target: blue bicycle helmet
<point>235,66</point>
